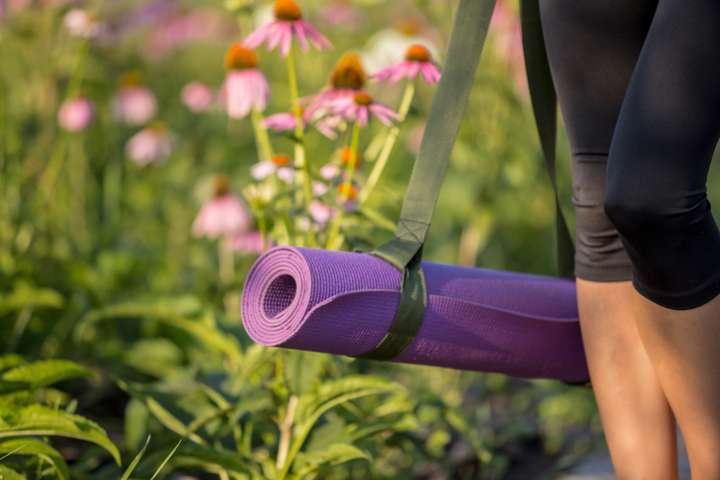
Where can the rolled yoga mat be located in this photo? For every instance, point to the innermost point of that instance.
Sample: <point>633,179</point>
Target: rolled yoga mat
<point>520,324</point>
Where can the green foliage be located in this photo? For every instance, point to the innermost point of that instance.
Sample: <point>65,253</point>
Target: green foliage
<point>42,451</point>
<point>39,374</point>
<point>135,461</point>
<point>24,417</point>
<point>7,473</point>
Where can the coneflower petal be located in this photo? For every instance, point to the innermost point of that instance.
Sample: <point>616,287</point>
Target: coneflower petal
<point>413,68</point>
<point>381,75</point>
<point>286,41</point>
<point>362,114</point>
<point>326,129</point>
<point>257,37</point>
<point>399,72</point>
<point>430,73</point>
<point>299,30</point>
<point>383,113</point>
<point>275,36</point>
<point>318,39</point>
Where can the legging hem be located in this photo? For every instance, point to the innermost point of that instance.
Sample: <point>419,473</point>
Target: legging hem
<point>614,273</point>
<point>693,298</point>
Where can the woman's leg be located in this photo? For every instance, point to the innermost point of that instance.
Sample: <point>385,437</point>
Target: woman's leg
<point>638,423</point>
<point>656,196</point>
<point>592,48</point>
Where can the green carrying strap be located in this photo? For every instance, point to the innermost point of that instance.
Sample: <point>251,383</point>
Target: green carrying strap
<point>404,251</point>
<point>544,103</point>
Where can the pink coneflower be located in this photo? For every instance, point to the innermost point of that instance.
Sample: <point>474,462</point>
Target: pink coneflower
<point>149,145</point>
<point>8,7</point>
<point>286,174</point>
<point>341,13</point>
<point>329,171</point>
<point>223,215</point>
<point>348,76</point>
<point>361,107</point>
<point>507,40</point>
<point>286,122</point>
<point>320,212</point>
<point>319,188</point>
<point>418,61</point>
<point>278,165</point>
<point>288,23</point>
<point>248,242</point>
<point>245,86</point>
<point>181,26</point>
<point>80,23</point>
<point>281,122</point>
<point>134,103</point>
<point>197,96</point>
<point>389,45</point>
<point>75,114</point>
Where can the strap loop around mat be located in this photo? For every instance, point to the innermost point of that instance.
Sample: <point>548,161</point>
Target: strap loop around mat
<point>404,251</point>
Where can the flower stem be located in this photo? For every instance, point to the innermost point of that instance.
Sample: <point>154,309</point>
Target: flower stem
<point>299,151</point>
<point>347,185</point>
<point>226,261</point>
<point>262,226</point>
<point>262,139</point>
<point>390,140</point>
<point>77,181</point>
<point>78,70</point>
<point>286,432</point>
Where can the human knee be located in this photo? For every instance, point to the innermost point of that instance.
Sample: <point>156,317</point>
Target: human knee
<point>630,211</point>
<point>636,210</point>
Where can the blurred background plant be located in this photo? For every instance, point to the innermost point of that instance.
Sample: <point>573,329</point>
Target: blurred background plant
<point>151,149</point>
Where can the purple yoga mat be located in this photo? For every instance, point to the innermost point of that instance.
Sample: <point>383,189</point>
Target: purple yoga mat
<point>520,324</point>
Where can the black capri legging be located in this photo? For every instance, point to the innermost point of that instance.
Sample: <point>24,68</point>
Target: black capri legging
<point>638,85</point>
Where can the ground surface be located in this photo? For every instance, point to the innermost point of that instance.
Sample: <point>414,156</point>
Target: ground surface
<point>599,467</point>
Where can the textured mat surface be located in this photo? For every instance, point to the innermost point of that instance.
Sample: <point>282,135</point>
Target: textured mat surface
<point>515,323</point>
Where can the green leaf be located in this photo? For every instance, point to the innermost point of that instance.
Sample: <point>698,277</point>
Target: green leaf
<point>158,357</point>
<point>166,460</point>
<point>136,422</point>
<point>128,471</point>
<point>303,369</point>
<point>10,360</point>
<point>329,395</point>
<point>37,420</point>
<point>162,414</point>
<point>28,446</point>
<point>209,335</point>
<point>216,456</point>
<point>40,374</point>
<point>170,421</point>
<point>7,473</point>
<point>334,455</point>
<point>156,308</point>
<point>25,295</point>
